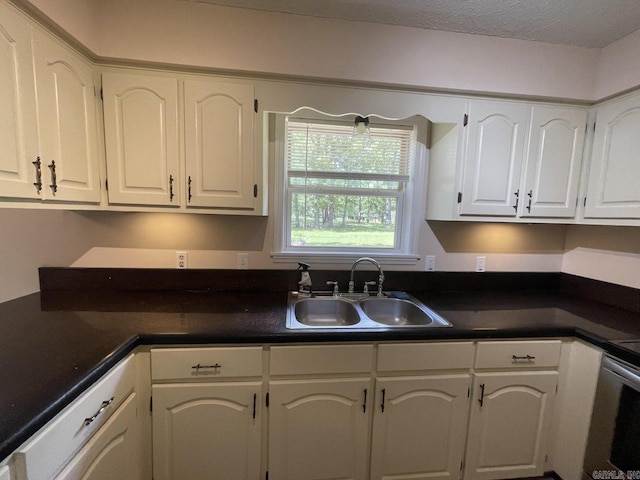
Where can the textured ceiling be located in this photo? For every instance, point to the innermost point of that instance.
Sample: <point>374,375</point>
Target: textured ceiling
<point>587,23</point>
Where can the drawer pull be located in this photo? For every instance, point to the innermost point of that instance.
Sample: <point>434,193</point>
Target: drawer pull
<point>103,406</point>
<point>528,358</point>
<point>199,367</point>
<point>481,399</point>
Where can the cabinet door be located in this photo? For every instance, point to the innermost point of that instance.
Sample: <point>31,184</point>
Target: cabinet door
<point>67,123</point>
<point>419,427</point>
<point>318,429</point>
<point>493,158</point>
<point>207,430</point>
<point>509,424</point>
<point>18,136</point>
<point>219,144</point>
<point>614,175</point>
<point>554,160</point>
<point>141,139</point>
<point>4,473</point>
<point>113,452</point>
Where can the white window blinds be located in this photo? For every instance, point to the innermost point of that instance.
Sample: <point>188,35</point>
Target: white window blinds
<point>329,156</point>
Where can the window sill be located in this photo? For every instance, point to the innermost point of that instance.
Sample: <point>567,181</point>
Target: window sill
<point>345,258</point>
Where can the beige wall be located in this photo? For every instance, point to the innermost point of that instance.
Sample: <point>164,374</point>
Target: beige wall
<point>189,33</point>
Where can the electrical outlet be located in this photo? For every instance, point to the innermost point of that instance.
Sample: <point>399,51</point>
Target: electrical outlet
<point>243,261</point>
<point>481,263</point>
<point>181,259</point>
<point>431,263</point>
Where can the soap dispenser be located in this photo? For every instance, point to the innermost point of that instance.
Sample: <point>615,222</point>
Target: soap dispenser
<point>304,285</point>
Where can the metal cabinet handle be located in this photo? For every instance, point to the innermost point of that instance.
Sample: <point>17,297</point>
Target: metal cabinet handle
<point>189,188</point>
<point>171,195</point>
<point>384,392</point>
<point>525,357</point>
<point>255,399</point>
<point>103,406</point>
<point>364,402</point>
<point>517,194</point>
<point>38,182</point>
<point>54,181</point>
<point>481,399</point>
<point>530,195</point>
<point>199,367</point>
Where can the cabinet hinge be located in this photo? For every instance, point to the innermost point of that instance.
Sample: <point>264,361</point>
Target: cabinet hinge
<point>459,197</point>
<point>267,399</point>
<point>151,404</point>
<point>255,190</point>
<point>465,120</point>
<point>255,105</point>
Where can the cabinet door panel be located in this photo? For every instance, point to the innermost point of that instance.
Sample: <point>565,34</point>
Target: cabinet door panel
<point>219,144</point>
<point>113,452</point>
<point>508,431</point>
<point>421,431</point>
<point>141,139</point>
<point>318,429</point>
<point>554,159</point>
<point>18,137</point>
<point>614,177</point>
<point>207,430</point>
<point>493,158</point>
<point>67,123</point>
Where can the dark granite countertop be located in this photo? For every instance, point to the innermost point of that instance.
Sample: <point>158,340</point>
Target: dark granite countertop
<point>55,344</point>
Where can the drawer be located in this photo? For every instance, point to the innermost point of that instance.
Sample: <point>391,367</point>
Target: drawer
<point>518,354</point>
<point>319,359</point>
<point>425,356</point>
<point>54,445</point>
<point>218,362</point>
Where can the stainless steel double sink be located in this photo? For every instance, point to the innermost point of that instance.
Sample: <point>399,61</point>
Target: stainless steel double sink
<point>359,311</point>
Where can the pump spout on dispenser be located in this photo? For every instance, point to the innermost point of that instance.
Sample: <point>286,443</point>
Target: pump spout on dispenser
<point>304,285</point>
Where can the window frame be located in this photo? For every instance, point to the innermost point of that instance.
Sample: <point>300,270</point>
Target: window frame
<point>408,222</point>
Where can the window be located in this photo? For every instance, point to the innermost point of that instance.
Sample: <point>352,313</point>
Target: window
<point>345,193</point>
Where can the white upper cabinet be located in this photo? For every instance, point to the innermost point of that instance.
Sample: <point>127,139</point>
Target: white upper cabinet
<point>67,122</point>
<point>219,144</point>
<point>614,178</point>
<point>141,138</point>
<point>18,135</point>
<point>553,162</point>
<point>493,158</point>
<point>507,161</point>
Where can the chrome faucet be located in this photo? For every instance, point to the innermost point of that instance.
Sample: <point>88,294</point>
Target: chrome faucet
<point>376,264</point>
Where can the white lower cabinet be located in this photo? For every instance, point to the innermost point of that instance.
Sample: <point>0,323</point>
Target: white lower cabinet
<point>4,473</point>
<point>419,427</point>
<point>512,409</point>
<point>509,424</point>
<point>207,430</point>
<point>113,452</point>
<point>99,436</point>
<point>319,429</point>
<point>207,422</point>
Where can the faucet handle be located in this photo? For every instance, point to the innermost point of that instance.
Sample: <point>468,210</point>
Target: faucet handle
<point>335,287</point>
<point>365,289</point>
